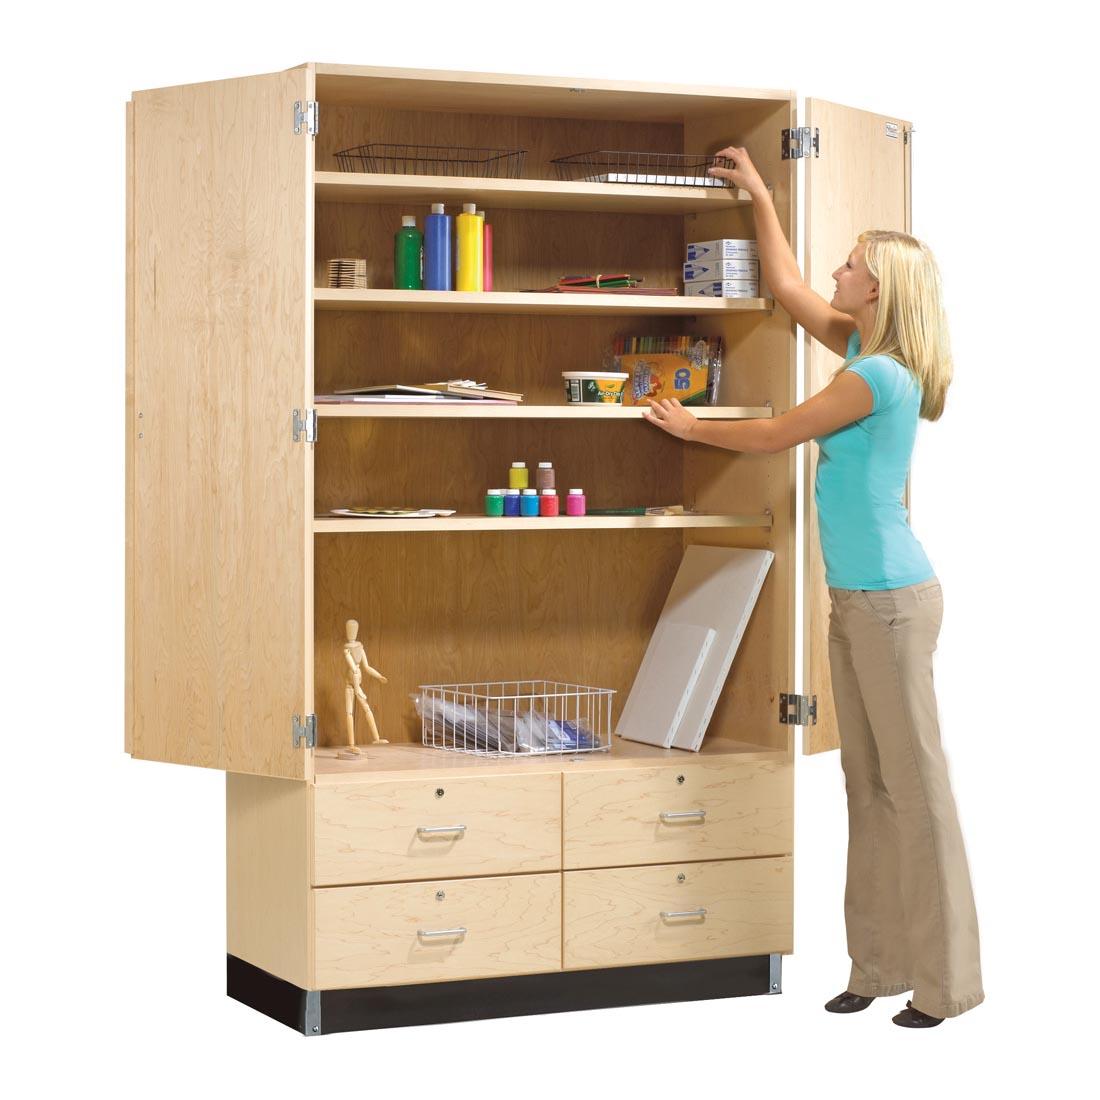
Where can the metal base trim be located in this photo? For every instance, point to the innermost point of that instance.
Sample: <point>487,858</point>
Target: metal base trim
<point>325,1012</point>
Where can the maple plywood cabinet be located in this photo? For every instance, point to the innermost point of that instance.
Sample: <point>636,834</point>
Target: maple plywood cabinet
<point>417,885</point>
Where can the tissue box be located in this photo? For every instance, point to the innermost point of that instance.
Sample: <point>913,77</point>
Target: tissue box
<point>722,269</point>
<point>726,249</point>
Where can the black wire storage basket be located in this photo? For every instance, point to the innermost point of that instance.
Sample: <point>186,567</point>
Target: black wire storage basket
<point>432,160</point>
<point>617,166</point>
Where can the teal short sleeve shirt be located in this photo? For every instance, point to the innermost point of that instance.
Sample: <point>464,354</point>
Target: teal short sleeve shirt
<point>864,526</point>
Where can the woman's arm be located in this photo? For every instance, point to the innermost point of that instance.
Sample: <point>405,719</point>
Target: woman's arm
<point>778,266</point>
<point>845,399</point>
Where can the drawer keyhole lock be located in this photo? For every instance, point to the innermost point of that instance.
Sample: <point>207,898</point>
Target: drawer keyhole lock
<point>439,792</point>
<point>439,895</point>
<point>679,779</point>
<point>681,877</point>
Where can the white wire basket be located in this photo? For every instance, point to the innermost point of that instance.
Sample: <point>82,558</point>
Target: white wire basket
<point>515,717</point>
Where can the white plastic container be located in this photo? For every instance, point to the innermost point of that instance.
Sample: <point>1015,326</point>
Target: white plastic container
<point>594,387</point>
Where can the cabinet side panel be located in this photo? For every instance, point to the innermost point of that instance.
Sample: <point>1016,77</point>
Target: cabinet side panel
<point>267,875</point>
<point>128,433</point>
<point>759,367</point>
<point>220,354</point>
<point>861,181</point>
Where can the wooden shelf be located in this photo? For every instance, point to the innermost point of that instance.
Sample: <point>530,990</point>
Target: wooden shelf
<point>493,301</point>
<point>333,525</point>
<point>519,194</point>
<point>412,760</point>
<point>475,411</point>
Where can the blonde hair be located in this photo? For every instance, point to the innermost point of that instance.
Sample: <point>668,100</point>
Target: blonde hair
<point>910,323</point>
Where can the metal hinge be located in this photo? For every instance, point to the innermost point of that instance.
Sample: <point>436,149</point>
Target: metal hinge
<point>797,710</point>
<point>307,426</point>
<point>798,143</point>
<point>308,117</point>
<point>308,732</point>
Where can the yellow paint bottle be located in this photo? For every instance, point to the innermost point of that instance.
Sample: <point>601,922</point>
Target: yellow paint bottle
<point>469,229</point>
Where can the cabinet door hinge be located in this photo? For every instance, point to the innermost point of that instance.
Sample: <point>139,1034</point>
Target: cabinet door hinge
<point>306,427</point>
<point>308,117</point>
<point>797,710</point>
<point>306,732</point>
<point>799,141</point>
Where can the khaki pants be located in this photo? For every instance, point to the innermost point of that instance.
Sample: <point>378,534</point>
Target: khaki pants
<point>908,904</point>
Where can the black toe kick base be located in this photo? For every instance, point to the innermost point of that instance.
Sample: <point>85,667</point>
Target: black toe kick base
<point>334,1010</point>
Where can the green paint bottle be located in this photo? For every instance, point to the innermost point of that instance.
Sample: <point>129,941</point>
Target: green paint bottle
<point>408,256</point>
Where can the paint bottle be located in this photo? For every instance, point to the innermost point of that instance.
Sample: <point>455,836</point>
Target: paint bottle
<point>494,502</point>
<point>511,502</point>
<point>438,272</point>
<point>544,477</point>
<point>548,503</point>
<point>408,256</point>
<point>529,502</point>
<point>575,503</point>
<point>468,247</point>
<point>517,476</point>
<point>486,255</point>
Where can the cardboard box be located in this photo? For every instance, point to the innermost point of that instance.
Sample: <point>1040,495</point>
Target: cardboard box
<point>724,288</point>
<point>709,270</point>
<point>726,249</point>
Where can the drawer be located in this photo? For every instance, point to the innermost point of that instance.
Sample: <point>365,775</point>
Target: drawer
<point>720,810</point>
<point>670,913</point>
<point>401,830</point>
<point>408,932</point>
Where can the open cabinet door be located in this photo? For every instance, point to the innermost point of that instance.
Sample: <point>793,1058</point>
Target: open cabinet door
<point>220,347</point>
<point>860,180</point>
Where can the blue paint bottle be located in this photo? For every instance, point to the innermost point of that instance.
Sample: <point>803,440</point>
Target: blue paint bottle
<point>511,502</point>
<point>438,261</point>
<point>529,502</point>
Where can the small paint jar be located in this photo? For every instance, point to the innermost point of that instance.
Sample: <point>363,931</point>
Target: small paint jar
<point>517,476</point>
<point>575,503</point>
<point>548,503</point>
<point>529,502</point>
<point>494,502</point>
<point>544,476</point>
<point>511,502</point>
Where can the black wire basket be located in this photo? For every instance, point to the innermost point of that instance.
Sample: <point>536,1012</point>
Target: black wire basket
<point>617,166</point>
<point>432,160</point>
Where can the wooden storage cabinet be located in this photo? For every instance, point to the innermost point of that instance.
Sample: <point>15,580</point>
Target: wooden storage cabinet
<point>239,580</point>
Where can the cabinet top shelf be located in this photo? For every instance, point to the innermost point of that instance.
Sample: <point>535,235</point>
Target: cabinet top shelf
<point>535,96</point>
<point>520,194</point>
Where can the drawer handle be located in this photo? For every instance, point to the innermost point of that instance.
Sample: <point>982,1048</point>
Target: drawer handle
<point>700,912</point>
<point>435,829</point>
<point>679,815</point>
<point>442,932</point>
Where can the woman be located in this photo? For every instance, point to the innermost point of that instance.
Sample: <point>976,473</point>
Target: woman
<point>908,905</point>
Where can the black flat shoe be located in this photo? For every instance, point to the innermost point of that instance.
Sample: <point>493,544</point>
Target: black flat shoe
<point>913,1017</point>
<point>848,1002</point>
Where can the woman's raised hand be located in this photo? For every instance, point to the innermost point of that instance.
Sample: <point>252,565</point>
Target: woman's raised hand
<point>743,174</point>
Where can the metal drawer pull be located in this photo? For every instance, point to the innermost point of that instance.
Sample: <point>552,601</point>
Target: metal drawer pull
<point>422,830</point>
<point>669,815</point>
<point>442,932</point>
<point>700,912</point>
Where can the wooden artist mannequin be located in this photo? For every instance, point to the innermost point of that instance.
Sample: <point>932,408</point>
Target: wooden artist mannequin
<point>355,657</point>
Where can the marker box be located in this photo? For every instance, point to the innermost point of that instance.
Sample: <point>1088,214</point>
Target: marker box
<point>721,269</point>
<point>725,249</point>
<point>724,288</point>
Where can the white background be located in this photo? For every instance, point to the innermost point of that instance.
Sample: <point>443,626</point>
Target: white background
<point>115,951</point>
